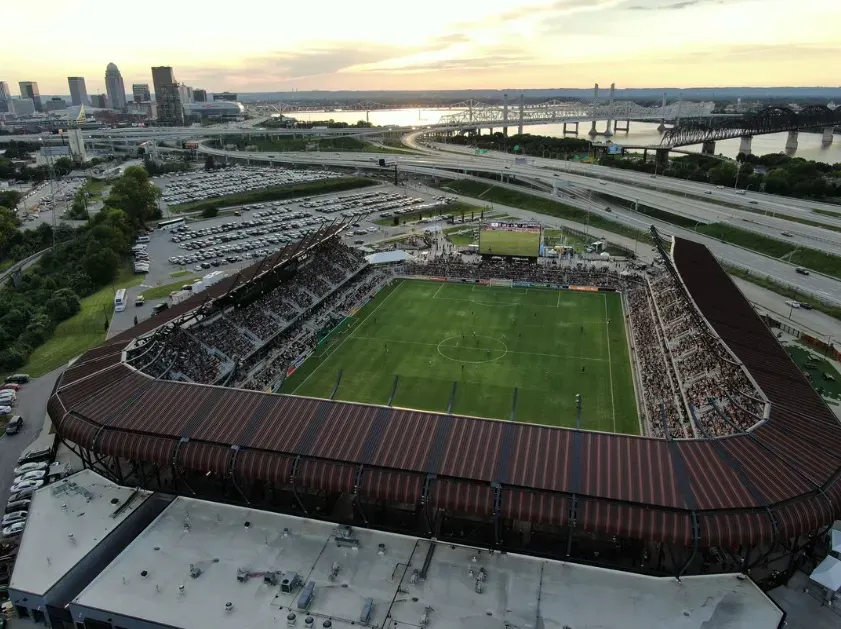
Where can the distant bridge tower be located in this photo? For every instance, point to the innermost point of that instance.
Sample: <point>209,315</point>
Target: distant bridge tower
<point>662,126</point>
<point>520,126</point>
<point>607,131</point>
<point>593,131</point>
<point>505,115</point>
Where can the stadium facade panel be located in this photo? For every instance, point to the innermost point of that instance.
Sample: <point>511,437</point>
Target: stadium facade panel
<point>771,483</point>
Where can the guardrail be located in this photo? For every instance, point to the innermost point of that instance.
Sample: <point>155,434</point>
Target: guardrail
<point>20,265</point>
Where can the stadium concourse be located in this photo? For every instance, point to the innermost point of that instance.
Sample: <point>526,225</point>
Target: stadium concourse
<point>739,463</point>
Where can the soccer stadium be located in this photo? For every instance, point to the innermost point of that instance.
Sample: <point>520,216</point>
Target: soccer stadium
<point>643,420</point>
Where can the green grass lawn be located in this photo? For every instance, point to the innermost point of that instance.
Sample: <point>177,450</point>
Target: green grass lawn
<point>549,345</point>
<point>80,332</point>
<point>828,388</point>
<point>504,242</point>
<point>181,273</point>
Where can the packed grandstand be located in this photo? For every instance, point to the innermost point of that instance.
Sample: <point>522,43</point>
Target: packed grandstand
<point>706,368</point>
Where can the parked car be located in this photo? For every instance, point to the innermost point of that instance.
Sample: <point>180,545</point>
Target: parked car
<point>26,484</point>
<point>14,530</point>
<point>31,467</point>
<point>139,300</point>
<point>18,378</point>
<point>11,386</point>
<point>14,516</point>
<point>157,308</point>
<point>801,271</point>
<point>805,306</point>
<point>23,494</point>
<point>18,505</point>
<point>33,475</point>
<point>14,425</point>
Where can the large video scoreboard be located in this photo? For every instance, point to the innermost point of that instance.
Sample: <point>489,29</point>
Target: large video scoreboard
<point>498,238</point>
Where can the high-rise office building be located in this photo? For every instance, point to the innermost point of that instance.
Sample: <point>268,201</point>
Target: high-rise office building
<point>22,106</point>
<point>78,90</point>
<point>5,97</point>
<point>99,101</point>
<point>200,96</point>
<point>115,87</point>
<point>225,96</point>
<point>167,97</point>
<point>29,89</point>
<point>141,93</point>
<point>185,93</point>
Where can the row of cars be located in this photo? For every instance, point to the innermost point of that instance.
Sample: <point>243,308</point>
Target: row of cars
<point>233,242</point>
<point>9,398</point>
<point>25,481</point>
<point>387,203</point>
<point>199,186</point>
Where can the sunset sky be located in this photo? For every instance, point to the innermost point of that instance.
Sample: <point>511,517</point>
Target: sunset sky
<point>263,45</point>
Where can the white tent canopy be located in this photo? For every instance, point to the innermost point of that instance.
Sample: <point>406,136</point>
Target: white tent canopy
<point>835,537</point>
<point>828,574</point>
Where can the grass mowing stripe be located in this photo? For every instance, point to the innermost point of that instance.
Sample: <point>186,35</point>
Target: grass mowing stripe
<point>609,361</point>
<point>346,338</point>
<point>478,349</point>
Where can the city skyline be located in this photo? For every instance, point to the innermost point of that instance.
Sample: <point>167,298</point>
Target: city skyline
<point>511,44</point>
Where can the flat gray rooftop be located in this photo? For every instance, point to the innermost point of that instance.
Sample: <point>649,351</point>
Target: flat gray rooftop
<point>66,521</point>
<point>151,579</point>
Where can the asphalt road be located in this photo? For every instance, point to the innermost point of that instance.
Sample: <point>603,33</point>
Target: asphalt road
<point>816,285</point>
<point>32,406</point>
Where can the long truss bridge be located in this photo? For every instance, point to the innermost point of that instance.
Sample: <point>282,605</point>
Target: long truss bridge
<point>706,131</point>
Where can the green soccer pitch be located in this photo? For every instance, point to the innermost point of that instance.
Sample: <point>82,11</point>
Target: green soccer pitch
<point>505,242</point>
<point>548,344</point>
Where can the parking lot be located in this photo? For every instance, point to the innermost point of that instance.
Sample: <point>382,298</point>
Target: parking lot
<point>277,219</point>
<point>195,186</point>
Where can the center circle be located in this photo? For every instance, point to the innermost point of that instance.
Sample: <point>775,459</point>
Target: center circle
<point>472,348</point>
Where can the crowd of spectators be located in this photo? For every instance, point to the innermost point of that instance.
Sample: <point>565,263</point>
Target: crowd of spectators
<point>661,402</point>
<point>716,388</point>
<point>297,341</point>
<point>218,339</point>
<point>455,266</point>
<point>221,333</point>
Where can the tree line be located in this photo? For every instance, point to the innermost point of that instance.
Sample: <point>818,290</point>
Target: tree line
<point>90,258</point>
<point>773,173</point>
<point>526,144</point>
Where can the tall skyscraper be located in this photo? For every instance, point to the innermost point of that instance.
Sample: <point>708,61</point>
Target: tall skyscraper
<point>200,96</point>
<point>162,75</point>
<point>29,89</point>
<point>141,93</point>
<point>78,90</point>
<point>5,97</point>
<point>115,87</point>
<point>167,97</point>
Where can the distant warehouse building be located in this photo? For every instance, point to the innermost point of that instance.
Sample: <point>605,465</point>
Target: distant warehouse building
<point>221,110</point>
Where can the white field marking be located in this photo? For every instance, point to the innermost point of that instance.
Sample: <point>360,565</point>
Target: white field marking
<point>324,360</point>
<point>483,349</point>
<point>437,291</point>
<point>610,362</point>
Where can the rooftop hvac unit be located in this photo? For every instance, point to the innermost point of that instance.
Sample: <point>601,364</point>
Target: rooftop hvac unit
<point>367,611</point>
<point>289,582</point>
<point>307,595</point>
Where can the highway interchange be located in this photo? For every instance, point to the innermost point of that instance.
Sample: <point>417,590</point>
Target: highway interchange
<point>660,192</point>
<point>575,184</point>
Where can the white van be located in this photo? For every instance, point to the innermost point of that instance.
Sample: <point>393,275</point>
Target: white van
<point>142,240</point>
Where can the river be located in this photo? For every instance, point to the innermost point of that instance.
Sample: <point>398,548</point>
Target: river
<point>809,144</point>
